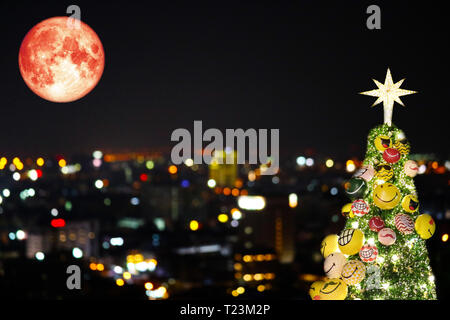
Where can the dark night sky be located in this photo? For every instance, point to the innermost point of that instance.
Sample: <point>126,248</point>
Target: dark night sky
<point>296,66</point>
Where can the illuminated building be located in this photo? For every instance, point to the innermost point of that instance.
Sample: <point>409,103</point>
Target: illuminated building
<point>224,174</point>
<point>272,228</point>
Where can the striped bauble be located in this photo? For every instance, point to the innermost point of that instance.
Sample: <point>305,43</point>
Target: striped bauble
<point>404,223</point>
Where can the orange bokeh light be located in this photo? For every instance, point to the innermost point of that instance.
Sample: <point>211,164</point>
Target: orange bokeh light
<point>173,169</point>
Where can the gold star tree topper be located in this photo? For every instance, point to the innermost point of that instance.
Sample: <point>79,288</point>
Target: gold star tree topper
<point>388,93</point>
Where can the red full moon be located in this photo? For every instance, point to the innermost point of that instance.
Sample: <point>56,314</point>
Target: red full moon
<point>61,61</point>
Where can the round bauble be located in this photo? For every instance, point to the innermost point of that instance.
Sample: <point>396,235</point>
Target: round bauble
<point>350,241</point>
<point>404,223</point>
<point>411,168</point>
<point>360,207</point>
<point>384,172</point>
<point>391,155</point>
<point>355,188</point>
<point>329,245</point>
<point>387,236</point>
<point>353,272</point>
<point>425,226</point>
<point>333,289</point>
<point>386,196</point>
<point>314,289</point>
<point>382,142</point>
<point>365,172</point>
<point>368,253</point>
<point>347,210</point>
<point>402,146</point>
<point>333,265</point>
<point>376,223</point>
<point>410,203</point>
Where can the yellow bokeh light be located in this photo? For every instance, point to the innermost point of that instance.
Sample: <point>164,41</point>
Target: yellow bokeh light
<point>163,290</point>
<point>148,285</point>
<point>100,267</point>
<point>126,275</point>
<point>222,217</point>
<point>240,290</point>
<point>329,163</point>
<point>293,200</point>
<point>247,277</point>
<point>62,163</point>
<point>258,276</point>
<point>234,293</point>
<point>445,237</point>
<point>261,288</point>
<point>193,225</point>
<point>247,258</point>
<point>350,166</point>
<point>120,282</point>
<point>40,162</point>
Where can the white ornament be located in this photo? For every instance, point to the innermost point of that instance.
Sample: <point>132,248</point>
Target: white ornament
<point>373,281</point>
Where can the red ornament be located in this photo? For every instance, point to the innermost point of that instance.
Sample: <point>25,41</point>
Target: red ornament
<point>404,223</point>
<point>368,253</point>
<point>391,155</point>
<point>360,207</point>
<point>376,224</point>
<point>387,236</point>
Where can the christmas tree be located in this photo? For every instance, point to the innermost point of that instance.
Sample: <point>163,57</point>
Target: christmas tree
<point>381,253</point>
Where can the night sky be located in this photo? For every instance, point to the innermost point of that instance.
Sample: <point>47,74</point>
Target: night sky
<point>296,66</point>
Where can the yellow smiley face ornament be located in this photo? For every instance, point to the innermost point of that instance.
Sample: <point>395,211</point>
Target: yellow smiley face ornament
<point>353,272</point>
<point>333,289</point>
<point>410,203</point>
<point>425,226</point>
<point>314,290</point>
<point>350,241</point>
<point>329,245</point>
<point>347,210</point>
<point>386,196</point>
<point>382,142</point>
